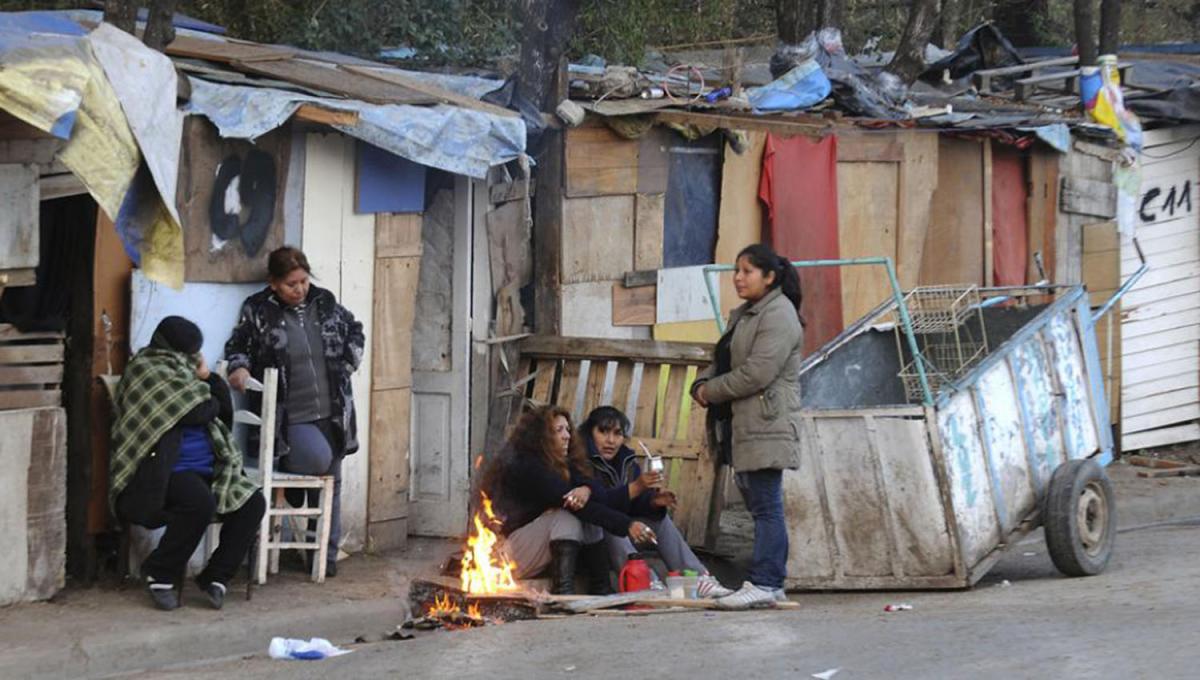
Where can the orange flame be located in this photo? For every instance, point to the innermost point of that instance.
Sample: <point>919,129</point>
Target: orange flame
<point>484,569</point>
<point>441,606</point>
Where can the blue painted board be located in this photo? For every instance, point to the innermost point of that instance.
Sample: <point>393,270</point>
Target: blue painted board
<point>387,183</point>
<point>692,201</point>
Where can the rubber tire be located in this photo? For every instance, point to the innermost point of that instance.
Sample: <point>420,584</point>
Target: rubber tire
<point>1064,538</point>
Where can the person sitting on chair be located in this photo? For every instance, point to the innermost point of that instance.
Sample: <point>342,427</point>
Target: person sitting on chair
<point>604,434</point>
<point>175,464</point>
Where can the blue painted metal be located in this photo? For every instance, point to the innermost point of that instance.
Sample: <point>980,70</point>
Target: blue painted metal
<point>1095,376</point>
<point>388,183</point>
<point>1125,287</point>
<point>990,457</point>
<point>710,272</point>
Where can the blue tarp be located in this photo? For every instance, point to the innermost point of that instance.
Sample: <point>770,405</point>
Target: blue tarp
<point>461,141</point>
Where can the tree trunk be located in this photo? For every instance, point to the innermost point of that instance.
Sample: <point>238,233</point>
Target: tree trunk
<point>122,14</point>
<point>1110,26</point>
<point>791,21</point>
<point>546,26</point>
<point>909,61</point>
<point>160,24</point>
<point>1085,32</point>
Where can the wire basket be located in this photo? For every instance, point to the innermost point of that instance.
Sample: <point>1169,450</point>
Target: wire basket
<point>944,363</point>
<point>940,309</point>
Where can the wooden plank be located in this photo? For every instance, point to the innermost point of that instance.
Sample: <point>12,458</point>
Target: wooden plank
<point>45,550</point>
<point>387,491</point>
<point>13,399</point>
<point>224,51</point>
<point>568,384</point>
<point>437,94</point>
<point>314,113</point>
<point>597,238</point>
<point>652,161</point>
<point>515,190</point>
<point>600,163</point>
<point>336,80</point>
<point>31,375</point>
<point>788,126</point>
<point>673,403</point>
<point>643,413</point>
<point>9,332</point>
<point>588,313</point>
<point>1088,197</point>
<point>648,231</point>
<point>1158,463</point>
<point>398,235</point>
<point>594,392</point>
<point>1152,374</point>
<point>1160,418</point>
<point>918,180</point>
<point>637,279</point>
<point>865,147</point>
<point>60,186</point>
<point>544,382</point>
<point>540,346</point>
<point>548,235</point>
<point>740,218</point>
<point>1188,432</point>
<point>867,227</point>
<point>1175,336</point>
<point>1184,396</point>
<point>396,280</point>
<point>634,306</point>
<point>989,262</point>
<point>622,383</point>
<point>1042,212</point>
<point>19,234</point>
<point>953,251</point>
<point>982,78</point>
<point>31,354</point>
<point>1185,471</point>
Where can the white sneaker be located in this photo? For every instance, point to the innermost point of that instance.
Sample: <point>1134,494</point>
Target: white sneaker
<point>750,595</point>
<point>708,587</point>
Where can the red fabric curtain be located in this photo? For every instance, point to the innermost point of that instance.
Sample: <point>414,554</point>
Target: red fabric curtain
<point>799,188</point>
<point>1010,247</point>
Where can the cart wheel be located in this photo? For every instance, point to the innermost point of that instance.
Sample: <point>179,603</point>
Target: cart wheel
<point>1080,518</point>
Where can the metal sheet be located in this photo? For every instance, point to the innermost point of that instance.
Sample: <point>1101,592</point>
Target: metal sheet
<point>1039,415</point>
<point>856,500</point>
<point>1080,426</point>
<point>970,489</point>
<point>919,529</point>
<point>1008,464</point>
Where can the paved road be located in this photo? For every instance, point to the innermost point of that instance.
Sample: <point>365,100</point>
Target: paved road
<point>1140,619</point>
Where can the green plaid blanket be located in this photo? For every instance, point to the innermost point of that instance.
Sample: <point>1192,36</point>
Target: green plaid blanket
<point>157,389</point>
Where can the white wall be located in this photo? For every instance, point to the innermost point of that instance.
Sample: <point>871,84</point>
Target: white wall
<point>340,246</point>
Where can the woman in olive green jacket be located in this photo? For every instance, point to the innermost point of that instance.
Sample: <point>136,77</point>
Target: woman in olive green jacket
<point>752,390</point>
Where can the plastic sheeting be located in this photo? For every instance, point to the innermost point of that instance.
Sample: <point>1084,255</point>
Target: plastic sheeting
<point>799,187</point>
<point>1009,195</point>
<point>457,140</point>
<point>43,78</point>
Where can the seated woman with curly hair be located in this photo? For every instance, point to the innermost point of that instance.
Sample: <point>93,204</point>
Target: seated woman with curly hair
<point>555,514</point>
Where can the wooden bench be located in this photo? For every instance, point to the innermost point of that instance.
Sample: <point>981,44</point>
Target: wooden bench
<point>650,382</point>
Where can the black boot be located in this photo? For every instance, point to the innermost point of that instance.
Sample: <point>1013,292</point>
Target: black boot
<point>564,555</point>
<point>597,564</point>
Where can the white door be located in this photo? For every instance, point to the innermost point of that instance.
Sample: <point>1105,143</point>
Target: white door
<point>441,367</point>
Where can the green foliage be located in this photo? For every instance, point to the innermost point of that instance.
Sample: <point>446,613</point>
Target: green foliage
<point>479,31</point>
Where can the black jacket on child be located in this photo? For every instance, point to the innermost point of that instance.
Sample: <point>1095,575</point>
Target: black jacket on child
<point>617,474</point>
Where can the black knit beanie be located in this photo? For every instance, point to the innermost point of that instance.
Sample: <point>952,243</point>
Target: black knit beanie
<point>178,334</point>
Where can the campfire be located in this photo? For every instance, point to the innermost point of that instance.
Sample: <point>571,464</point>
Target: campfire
<point>487,582</point>
<point>484,570</point>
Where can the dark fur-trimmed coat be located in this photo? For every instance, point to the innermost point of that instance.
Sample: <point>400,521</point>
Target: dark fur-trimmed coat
<point>260,339</point>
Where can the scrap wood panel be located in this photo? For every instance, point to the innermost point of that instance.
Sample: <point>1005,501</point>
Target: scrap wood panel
<point>650,381</point>
<point>31,368</point>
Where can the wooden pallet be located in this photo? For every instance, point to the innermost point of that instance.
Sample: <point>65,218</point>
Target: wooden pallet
<point>1032,80</point>
<point>31,368</point>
